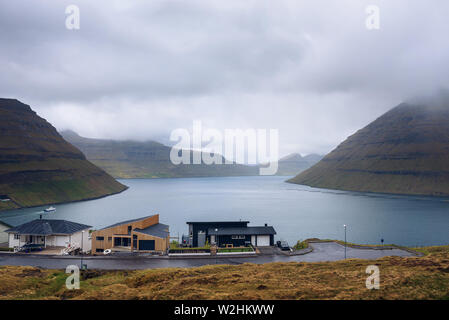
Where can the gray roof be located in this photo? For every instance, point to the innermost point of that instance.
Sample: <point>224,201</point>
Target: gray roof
<point>157,230</point>
<point>5,224</point>
<point>241,231</point>
<point>126,222</point>
<point>44,227</point>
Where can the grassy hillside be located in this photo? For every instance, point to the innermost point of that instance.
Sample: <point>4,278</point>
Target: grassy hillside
<point>133,159</point>
<point>39,167</point>
<point>405,151</point>
<point>400,278</point>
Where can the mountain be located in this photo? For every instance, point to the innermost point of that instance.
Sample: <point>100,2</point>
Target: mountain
<point>150,159</point>
<point>405,151</point>
<point>295,163</point>
<point>39,167</point>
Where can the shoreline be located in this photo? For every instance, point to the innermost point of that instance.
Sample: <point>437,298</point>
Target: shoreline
<point>65,202</point>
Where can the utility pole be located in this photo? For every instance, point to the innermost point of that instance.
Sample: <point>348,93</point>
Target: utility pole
<point>345,240</point>
<point>82,239</point>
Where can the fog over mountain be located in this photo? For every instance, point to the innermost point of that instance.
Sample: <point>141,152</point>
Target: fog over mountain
<point>139,69</point>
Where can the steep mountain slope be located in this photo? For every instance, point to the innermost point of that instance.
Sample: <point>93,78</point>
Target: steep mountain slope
<point>133,159</point>
<point>405,151</point>
<point>295,163</point>
<point>39,167</point>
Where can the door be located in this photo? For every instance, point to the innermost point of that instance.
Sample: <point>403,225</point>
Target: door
<point>201,239</point>
<point>134,241</point>
<point>253,240</point>
<point>263,241</point>
<point>146,244</point>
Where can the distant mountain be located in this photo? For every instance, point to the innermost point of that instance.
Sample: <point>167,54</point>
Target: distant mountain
<point>405,151</point>
<point>39,167</point>
<point>133,159</point>
<point>295,163</point>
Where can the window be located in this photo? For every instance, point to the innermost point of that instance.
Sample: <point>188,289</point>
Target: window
<point>99,250</point>
<point>238,237</point>
<point>130,229</point>
<point>16,236</point>
<point>100,238</point>
<point>109,239</point>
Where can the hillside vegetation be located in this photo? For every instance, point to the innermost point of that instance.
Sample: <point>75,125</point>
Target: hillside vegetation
<point>150,159</point>
<point>405,151</point>
<point>400,278</point>
<point>39,167</point>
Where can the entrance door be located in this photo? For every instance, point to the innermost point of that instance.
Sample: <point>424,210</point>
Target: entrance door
<point>146,244</point>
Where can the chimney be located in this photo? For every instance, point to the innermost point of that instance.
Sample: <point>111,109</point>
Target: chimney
<point>40,216</point>
<point>266,225</point>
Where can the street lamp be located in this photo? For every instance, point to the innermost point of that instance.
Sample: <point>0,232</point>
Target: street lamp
<point>82,239</point>
<point>345,240</point>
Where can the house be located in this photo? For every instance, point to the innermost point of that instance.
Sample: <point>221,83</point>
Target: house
<point>143,234</point>
<point>229,233</point>
<point>49,233</point>
<point>3,234</point>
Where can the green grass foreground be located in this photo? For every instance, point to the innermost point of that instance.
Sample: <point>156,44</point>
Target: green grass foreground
<point>424,277</point>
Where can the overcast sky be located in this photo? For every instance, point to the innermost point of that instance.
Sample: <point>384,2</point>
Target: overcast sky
<point>139,69</point>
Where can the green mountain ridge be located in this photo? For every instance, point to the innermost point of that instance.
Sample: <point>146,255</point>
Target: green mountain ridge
<point>128,159</point>
<point>39,167</point>
<point>405,151</point>
<point>133,159</point>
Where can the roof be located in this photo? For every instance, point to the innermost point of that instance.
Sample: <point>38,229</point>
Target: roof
<point>43,227</point>
<point>241,231</point>
<point>215,222</point>
<point>5,224</point>
<point>126,222</point>
<point>157,230</point>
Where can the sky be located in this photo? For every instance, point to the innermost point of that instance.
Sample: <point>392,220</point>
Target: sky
<point>140,69</point>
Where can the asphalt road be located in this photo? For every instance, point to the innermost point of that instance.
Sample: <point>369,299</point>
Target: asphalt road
<point>329,251</point>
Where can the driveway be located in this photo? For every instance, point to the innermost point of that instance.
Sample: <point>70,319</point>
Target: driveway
<point>327,251</point>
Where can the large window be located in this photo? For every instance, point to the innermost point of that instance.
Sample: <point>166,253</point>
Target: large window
<point>238,237</point>
<point>100,238</point>
<point>16,236</point>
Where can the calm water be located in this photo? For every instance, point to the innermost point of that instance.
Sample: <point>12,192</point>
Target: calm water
<point>296,212</point>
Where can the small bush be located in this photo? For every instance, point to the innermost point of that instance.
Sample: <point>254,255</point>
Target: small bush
<point>301,245</point>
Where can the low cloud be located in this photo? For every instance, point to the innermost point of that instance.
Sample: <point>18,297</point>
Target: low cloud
<point>139,69</point>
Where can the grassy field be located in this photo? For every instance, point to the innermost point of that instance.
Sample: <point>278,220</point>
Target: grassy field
<point>400,278</point>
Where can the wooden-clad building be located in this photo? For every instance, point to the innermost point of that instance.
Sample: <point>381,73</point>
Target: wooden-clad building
<point>144,234</point>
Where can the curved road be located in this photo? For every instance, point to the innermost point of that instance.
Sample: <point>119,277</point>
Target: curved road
<point>327,251</point>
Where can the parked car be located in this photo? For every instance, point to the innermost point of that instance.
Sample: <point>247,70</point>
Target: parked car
<point>31,247</point>
<point>283,245</point>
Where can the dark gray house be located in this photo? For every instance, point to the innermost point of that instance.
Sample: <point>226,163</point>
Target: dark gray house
<point>223,233</point>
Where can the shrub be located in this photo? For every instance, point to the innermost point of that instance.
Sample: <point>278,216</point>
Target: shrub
<point>301,245</point>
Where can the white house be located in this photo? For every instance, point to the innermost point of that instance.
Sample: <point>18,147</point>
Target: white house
<point>3,234</point>
<point>50,233</point>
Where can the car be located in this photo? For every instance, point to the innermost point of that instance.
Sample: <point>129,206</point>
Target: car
<point>31,247</point>
<point>283,245</point>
